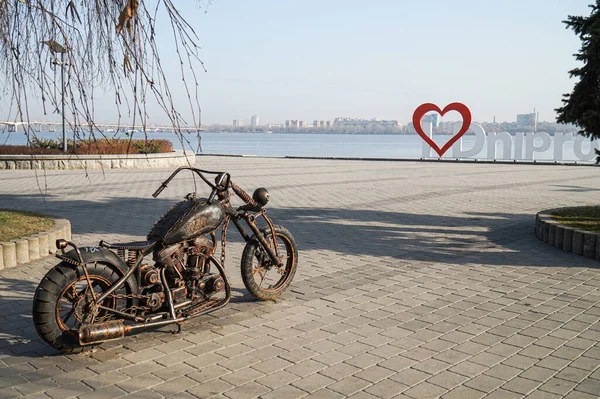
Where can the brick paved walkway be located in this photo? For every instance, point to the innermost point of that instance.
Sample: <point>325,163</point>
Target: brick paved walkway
<point>416,280</point>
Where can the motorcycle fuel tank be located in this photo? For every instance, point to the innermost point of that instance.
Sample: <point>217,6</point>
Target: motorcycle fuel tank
<point>186,220</point>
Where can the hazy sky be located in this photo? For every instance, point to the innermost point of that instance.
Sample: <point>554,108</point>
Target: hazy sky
<point>309,59</point>
<point>322,59</point>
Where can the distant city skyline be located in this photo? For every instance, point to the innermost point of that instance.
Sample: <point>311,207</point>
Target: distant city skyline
<point>316,60</point>
<point>524,119</point>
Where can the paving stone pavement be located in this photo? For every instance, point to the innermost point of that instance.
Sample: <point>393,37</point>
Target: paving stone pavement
<point>415,280</point>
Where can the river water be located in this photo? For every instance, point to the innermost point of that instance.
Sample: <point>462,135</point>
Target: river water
<point>314,145</point>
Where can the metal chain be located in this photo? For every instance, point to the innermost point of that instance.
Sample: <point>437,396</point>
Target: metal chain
<point>131,296</point>
<point>128,296</point>
<point>224,239</point>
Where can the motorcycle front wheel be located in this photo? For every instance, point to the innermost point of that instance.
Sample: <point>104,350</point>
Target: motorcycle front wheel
<point>262,278</point>
<point>63,302</point>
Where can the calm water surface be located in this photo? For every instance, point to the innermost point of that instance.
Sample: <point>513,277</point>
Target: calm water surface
<point>312,145</point>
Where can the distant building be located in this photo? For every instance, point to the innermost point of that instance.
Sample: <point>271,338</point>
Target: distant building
<point>445,127</point>
<point>293,123</point>
<point>321,124</point>
<point>433,118</point>
<point>527,119</point>
<point>238,123</point>
<point>254,121</point>
<point>365,123</point>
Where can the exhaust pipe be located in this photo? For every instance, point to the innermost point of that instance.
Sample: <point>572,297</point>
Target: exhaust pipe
<point>112,330</point>
<point>101,332</point>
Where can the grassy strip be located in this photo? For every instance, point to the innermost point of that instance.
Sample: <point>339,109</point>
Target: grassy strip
<point>582,218</point>
<point>15,224</point>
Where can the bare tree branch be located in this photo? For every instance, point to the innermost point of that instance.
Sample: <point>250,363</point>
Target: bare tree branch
<point>111,47</point>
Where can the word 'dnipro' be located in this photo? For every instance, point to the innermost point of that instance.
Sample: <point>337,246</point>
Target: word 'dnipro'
<point>520,146</point>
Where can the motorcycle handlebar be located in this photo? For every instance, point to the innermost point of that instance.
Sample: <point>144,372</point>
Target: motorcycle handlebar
<point>160,190</point>
<point>199,172</point>
<point>222,183</point>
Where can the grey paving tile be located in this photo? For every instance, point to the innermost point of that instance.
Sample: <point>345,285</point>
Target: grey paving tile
<point>139,383</point>
<point>111,391</point>
<point>447,379</point>
<point>463,392</point>
<point>286,391</point>
<point>174,386</point>
<point>325,393</point>
<point>410,377</point>
<point>424,390</point>
<point>349,385</point>
<point>69,390</point>
<point>240,377</point>
<point>248,390</point>
<point>210,388</point>
<point>557,386</point>
<point>277,379</point>
<point>590,386</point>
<point>174,371</point>
<point>386,389</point>
<point>145,394</point>
<point>573,374</point>
<point>305,368</point>
<point>313,382</point>
<point>522,386</point>
<point>484,383</point>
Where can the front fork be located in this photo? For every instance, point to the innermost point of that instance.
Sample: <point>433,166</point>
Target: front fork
<point>273,252</point>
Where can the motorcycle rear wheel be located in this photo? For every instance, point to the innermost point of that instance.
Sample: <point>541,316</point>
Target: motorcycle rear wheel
<point>263,279</point>
<point>61,303</point>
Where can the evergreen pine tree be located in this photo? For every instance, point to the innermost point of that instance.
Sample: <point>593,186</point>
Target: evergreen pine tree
<point>582,106</point>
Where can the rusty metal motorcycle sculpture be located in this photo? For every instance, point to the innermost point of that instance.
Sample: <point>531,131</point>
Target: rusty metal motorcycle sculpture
<point>100,293</point>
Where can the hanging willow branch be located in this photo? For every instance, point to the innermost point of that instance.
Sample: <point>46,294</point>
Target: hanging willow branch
<point>110,47</point>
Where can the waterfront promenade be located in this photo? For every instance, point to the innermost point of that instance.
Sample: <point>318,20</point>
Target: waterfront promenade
<point>415,280</point>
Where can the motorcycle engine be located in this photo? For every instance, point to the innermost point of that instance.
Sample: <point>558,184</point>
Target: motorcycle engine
<point>200,281</point>
<point>152,295</point>
<point>188,269</point>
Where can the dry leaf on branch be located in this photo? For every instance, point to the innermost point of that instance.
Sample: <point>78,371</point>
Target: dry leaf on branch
<point>126,14</point>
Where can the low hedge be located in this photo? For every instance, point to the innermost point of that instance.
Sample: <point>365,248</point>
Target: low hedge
<point>90,147</point>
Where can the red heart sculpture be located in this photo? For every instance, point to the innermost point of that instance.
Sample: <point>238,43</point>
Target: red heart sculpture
<point>420,112</point>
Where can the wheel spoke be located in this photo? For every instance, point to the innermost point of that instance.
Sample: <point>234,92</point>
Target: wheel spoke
<point>262,278</point>
<point>280,270</point>
<point>80,293</point>
<point>71,294</point>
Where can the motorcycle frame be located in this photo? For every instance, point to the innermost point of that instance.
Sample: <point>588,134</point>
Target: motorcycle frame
<point>249,214</point>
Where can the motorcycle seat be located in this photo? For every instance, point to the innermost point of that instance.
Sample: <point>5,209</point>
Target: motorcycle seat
<point>131,246</point>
